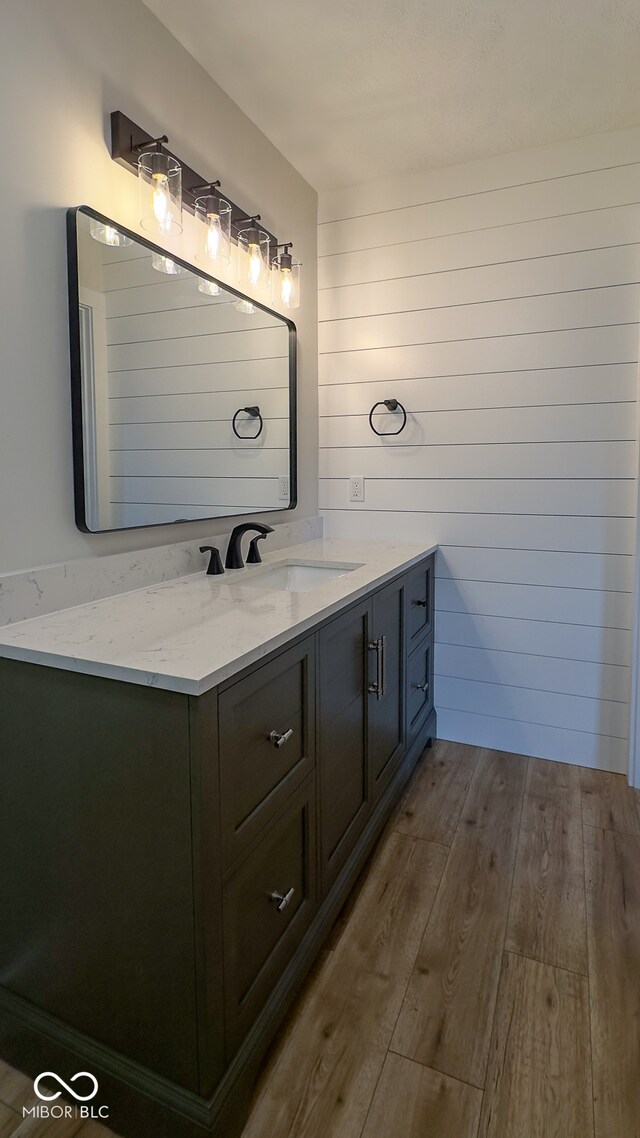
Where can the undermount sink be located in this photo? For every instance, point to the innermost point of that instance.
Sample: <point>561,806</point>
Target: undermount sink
<point>298,576</point>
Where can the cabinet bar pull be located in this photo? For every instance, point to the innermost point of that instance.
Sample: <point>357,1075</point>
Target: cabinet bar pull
<point>378,646</point>
<point>279,740</point>
<point>420,604</point>
<point>281,899</point>
<point>423,687</point>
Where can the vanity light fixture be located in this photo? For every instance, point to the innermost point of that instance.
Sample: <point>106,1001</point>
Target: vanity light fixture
<point>160,180</point>
<point>255,243</point>
<point>286,278</point>
<point>214,214</point>
<point>164,264</point>
<point>161,175</point>
<point>108,235</point>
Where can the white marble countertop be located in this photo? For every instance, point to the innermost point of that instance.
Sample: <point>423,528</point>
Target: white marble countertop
<point>190,634</point>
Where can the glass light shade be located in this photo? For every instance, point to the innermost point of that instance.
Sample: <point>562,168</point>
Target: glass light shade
<point>254,266</point>
<point>108,235</point>
<point>285,283</point>
<point>209,288</point>
<point>164,264</point>
<point>245,306</point>
<point>214,238</point>
<point>160,181</point>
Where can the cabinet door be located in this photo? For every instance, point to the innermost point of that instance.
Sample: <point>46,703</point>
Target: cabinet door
<point>342,736</point>
<point>386,685</point>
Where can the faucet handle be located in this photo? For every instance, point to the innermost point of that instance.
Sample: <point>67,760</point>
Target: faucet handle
<point>215,563</point>
<point>253,556</point>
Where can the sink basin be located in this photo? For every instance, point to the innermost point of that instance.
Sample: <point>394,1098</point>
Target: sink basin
<point>298,576</point>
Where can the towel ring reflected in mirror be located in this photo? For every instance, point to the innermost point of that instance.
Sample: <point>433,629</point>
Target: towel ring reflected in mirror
<point>253,413</point>
<point>391,405</point>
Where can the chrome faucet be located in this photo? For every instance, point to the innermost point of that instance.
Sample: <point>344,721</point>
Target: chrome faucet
<point>233,560</point>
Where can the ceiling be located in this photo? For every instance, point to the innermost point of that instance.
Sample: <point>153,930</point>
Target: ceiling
<point>354,90</point>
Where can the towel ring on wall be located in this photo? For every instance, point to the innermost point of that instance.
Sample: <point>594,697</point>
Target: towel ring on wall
<point>391,405</point>
<point>254,413</point>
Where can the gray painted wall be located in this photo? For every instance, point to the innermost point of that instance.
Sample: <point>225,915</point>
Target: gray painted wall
<point>64,66</point>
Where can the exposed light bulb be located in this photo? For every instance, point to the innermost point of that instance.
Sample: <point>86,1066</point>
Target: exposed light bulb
<point>286,279</point>
<point>214,242</point>
<point>210,288</point>
<point>213,235</point>
<point>286,287</point>
<point>108,235</point>
<point>161,201</point>
<point>160,179</point>
<point>255,264</point>
<point>165,265</point>
<point>245,306</point>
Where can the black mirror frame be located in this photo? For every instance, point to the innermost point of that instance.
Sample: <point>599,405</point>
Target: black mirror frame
<point>76,374</point>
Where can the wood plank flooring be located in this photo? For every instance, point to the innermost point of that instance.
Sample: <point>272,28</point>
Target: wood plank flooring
<point>483,980</point>
<point>547,918</point>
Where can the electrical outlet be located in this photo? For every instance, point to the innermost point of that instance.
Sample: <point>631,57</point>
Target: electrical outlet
<point>283,490</point>
<point>356,488</point>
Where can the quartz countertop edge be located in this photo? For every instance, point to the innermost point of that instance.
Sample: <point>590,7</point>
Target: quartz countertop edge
<point>192,633</point>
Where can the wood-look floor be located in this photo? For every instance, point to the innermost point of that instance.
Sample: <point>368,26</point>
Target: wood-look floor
<point>483,980</point>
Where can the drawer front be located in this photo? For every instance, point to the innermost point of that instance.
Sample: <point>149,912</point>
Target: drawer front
<point>419,685</point>
<point>266,730</point>
<point>267,906</point>
<point>419,590</point>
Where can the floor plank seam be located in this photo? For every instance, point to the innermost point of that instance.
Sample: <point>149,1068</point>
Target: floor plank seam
<point>491,1024</point>
<point>409,974</point>
<point>584,875</point>
<point>548,963</point>
<point>432,1067</point>
<point>444,868</point>
<point>424,929</point>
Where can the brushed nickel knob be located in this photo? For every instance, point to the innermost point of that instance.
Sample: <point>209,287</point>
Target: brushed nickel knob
<point>281,899</point>
<point>279,740</point>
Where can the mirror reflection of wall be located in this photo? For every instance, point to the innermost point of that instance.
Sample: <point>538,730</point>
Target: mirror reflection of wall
<point>167,359</point>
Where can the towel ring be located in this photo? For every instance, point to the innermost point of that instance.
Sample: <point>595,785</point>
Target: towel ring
<point>391,405</point>
<point>254,413</point>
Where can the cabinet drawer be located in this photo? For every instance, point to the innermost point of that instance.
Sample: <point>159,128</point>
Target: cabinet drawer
<point>267,905</point>
<point>419,684</point>
<point>419,602</point>
<point>260,762</point>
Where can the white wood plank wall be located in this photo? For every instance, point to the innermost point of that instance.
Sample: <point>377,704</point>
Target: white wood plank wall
<point>499,302</point>
<point>180,364</point>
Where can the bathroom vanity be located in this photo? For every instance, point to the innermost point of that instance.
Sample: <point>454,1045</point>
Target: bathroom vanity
<point>193,774</point>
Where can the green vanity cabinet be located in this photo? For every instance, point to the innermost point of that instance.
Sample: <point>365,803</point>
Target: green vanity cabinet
<point>387,671</point>
<point>170,864</point>
<point>342,736</point>
<point>361,723</point>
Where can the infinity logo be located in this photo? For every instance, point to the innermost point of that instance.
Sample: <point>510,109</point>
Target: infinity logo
<point>66,1087</point>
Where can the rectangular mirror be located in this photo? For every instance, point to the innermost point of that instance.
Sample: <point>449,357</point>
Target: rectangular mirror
<point>183,390</point>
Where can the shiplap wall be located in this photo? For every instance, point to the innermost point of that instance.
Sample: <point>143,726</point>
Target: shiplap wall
<point>180,364</point>
<point>499,302</point>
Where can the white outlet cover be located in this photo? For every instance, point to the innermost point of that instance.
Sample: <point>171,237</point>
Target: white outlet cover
<point>356,488</point>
